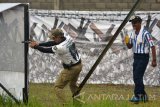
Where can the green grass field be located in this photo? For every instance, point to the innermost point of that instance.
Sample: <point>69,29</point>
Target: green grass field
<point>101,95</point>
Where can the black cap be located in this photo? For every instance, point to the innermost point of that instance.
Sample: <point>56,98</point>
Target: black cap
<point>135,19</point>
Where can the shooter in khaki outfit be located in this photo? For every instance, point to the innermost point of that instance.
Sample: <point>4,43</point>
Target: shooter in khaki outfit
<point>64,48</point>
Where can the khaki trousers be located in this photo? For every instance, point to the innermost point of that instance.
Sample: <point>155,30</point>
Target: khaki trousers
<point>67,76</point>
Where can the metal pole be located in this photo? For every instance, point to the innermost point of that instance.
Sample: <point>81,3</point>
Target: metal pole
<point>107,47</point>
<point>18,102</point>
<point>26,38</point>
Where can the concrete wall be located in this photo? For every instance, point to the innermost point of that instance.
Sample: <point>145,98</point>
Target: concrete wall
<point>101,5</point>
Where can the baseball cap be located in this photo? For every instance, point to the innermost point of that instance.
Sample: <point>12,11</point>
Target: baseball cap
<point>55,32</point>
<point>134,19</point>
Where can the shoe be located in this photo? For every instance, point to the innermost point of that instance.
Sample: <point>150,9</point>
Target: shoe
<point>144,98</point>
<point>134,99</point>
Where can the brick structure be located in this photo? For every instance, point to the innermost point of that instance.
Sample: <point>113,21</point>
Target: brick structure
<point>99,5</point>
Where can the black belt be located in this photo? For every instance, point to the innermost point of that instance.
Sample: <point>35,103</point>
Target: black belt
<point>67,66</point>
<point>141,54</point>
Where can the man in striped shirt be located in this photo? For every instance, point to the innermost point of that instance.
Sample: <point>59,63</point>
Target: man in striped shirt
<point>140,41</point>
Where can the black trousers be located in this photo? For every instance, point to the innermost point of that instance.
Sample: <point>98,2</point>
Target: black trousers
<point>139,66</point>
